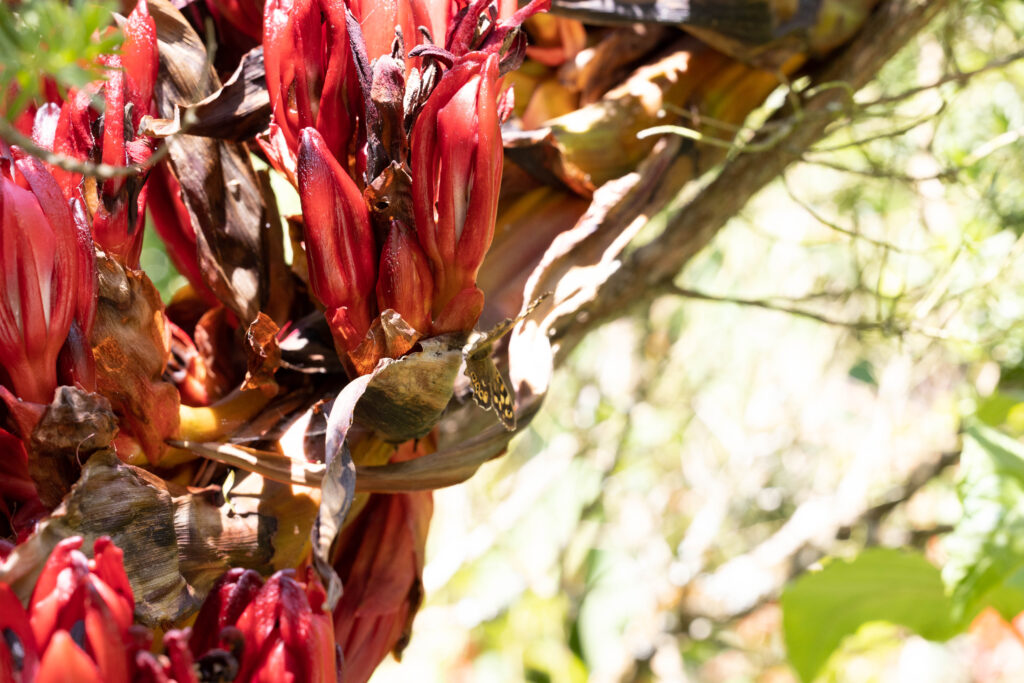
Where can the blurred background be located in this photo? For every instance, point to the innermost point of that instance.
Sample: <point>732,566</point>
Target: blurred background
<point>801,398</point>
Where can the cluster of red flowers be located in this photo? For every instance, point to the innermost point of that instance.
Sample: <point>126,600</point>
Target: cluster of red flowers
<point>79,628</point>
<point>399,179</point>
<point>386,117</point>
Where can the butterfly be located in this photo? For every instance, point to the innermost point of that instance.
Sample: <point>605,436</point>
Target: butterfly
<point>489,388</point>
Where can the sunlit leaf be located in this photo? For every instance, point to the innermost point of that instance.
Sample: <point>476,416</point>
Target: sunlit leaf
<point>822,608</point>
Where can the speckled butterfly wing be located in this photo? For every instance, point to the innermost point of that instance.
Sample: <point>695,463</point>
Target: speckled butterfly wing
<point>489,388</point>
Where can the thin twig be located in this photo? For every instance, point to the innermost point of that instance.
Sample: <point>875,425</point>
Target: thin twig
<point>960,77</point>
<point>838,228</point>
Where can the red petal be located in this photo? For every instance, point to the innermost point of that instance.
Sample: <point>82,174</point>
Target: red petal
<point>65,662</point>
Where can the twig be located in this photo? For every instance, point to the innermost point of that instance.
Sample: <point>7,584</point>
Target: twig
<point>834,226</point>
<point>959,77</point>
<point>888,326</point>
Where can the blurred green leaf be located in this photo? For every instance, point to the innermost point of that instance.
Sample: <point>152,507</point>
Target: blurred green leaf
<point>986,549</point>
<point>864,371</point>
<point>821,609</point>
<point>62,40</point>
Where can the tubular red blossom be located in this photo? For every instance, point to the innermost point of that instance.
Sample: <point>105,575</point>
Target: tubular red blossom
<point>405,284</point>
<point>116,204</point>
<point>15,482</point>
<point>91,597</point>
<point>38,248</point>
<point>339,240</point>
<point>232,593</point>
<point>288,636</point>
<point>65,662</point>
<point>19,655</point>
<point>180,667</point>
<point>284,632</point>
<point>456,168</point>
<point>379,19</point>
<point>310,77</point>
<point>244,15</point>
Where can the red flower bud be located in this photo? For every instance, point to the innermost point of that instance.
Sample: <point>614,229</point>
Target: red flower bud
<point>405,284</point>
<point>115,205</point>
<point>244,15</point>
<point>310,77</point>
<point>288,635</point>
<point>456,171</point>
<point>232,593</point>
<point>38,297</point>
<point>379,19</point>
<point>339,241</point>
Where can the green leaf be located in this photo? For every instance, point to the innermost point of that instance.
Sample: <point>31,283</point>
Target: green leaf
<point>820,609</point>
<point>986,548</point>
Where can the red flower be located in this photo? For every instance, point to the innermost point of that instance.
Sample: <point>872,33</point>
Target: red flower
<point>310,77</point>
<point>81,613</point>
<point>456,175</point>
<point>40,286</point>
<point>277,631</point>
<point>342,258</point>
<point>115,205</point>
<point>19,656</point>
<point>405,284</point>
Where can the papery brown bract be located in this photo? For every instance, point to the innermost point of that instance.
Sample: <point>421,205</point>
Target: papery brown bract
<point>456,175</point>
<point>131,344</point>
<point>341,255</point>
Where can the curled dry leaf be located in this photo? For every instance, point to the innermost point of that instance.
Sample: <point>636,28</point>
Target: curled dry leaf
<point>263,354</point>
<point>238,238</point>
<point>407,396</point>
<point>239,110</point>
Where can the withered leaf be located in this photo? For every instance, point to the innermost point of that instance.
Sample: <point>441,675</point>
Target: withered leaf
<point>263,353</point>
<point>239,110</point>
<point>406,397</point>
<point>338,486</point>
<point>237,237</point>
<point>537,152</point>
